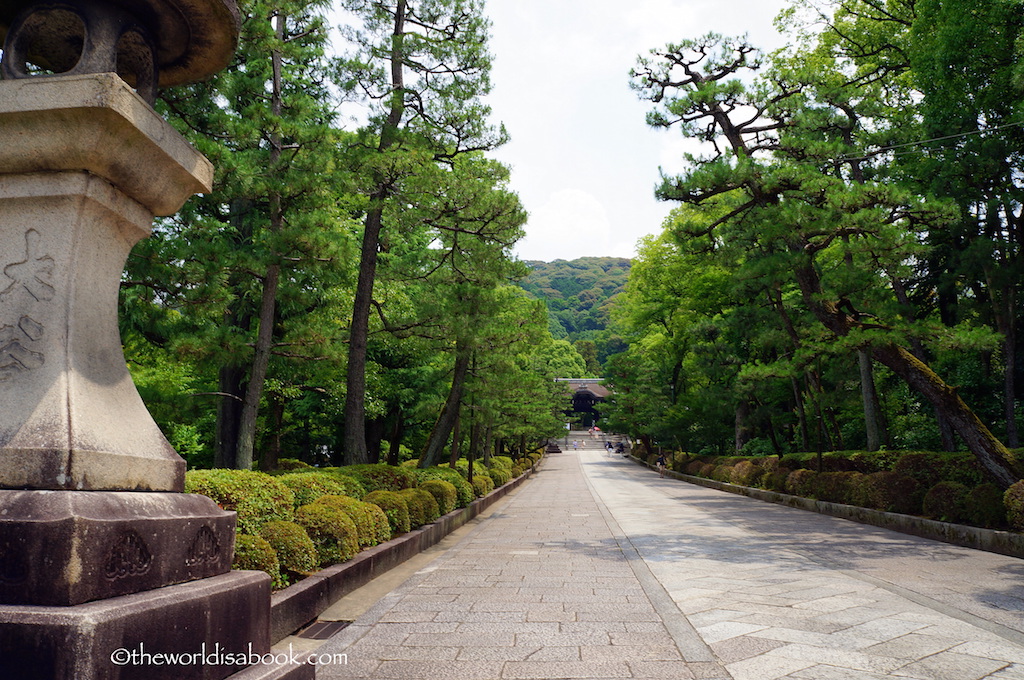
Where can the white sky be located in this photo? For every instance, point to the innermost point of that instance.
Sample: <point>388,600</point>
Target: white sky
<point>584,162</point>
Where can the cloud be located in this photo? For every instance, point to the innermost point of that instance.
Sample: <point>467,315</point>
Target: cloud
<point>570,221</point>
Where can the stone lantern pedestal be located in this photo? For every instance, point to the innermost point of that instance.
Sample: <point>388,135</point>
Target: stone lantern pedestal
<point>103,560</point>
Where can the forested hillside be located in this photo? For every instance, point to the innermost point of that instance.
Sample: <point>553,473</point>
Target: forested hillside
<point>579,295</point>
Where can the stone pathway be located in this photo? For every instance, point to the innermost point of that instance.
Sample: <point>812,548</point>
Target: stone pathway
<point>598,568</point>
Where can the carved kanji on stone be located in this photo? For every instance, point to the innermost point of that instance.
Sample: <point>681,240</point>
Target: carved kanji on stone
<point>33,273</point>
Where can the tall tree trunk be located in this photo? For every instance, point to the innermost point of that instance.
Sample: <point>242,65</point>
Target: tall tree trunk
<point>355,396</point>
<point>271,278</point>
<point>869,396</point>
<point>272,451</point>
<point>229,411</point>
<point>449,414</point>
<point>456,441</point>
<point>801,414</point>
<point>742,428</point>
<point>397,428</point>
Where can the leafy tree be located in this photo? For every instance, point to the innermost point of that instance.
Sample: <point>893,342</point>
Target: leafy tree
<point>422,65</point>
<point>789,148</point>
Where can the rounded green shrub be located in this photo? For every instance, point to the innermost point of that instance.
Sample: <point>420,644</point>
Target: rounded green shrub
<point>1013,500</point>
<point>256,497</point>
<point>517,471</point>
<point>945,502</point>
<point>801,483</point>
<point>482,485</point>
<point>694,467</point>
<point>381,477</point>
<point>504,462</point>
<point>463,488</point>
<point>889,491</point>
<point>308,486</point>
<point>707,469</point>
<point>745,473</point>
<point>253,552</point>
<point>361,516</point>
<point>394,507</point>
<point>983,506</point>
<point>293,464</point>
<point>444,494</point>
<point>295,550</point>
<point>722,473</point>
<point>924,467</point>
<point>535,457</point>
<point>836,487</point>
<point>332,531</point>
<point>776,480</point>
<point>423,509</point>
<point>499,476</point>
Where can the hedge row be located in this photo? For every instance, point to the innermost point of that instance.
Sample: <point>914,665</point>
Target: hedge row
<point>297,520</point>
<point>949,487</point>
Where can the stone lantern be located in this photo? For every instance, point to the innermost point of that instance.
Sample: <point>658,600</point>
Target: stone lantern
<point>100,551</point>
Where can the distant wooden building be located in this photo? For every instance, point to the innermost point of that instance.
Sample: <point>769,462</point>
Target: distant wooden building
<point>586,392</point>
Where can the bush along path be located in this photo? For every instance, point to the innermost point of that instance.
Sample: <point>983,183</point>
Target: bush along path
<point>293,522</point>
<point>941,496</point>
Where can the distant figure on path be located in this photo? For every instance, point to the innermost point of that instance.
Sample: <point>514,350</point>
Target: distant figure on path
<point>661,464</point>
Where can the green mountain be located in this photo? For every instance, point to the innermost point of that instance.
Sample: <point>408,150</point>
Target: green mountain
<point>580,294</point>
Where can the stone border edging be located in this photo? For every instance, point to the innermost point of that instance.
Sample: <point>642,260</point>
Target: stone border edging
<point>300,604</point>
<point>990,540</point>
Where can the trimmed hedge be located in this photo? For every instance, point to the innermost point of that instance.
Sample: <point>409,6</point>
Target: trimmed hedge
<point>308,486</point>
<point>394,506</point>
<point>984,507</point>
<point>1013,499</point>
<point>463,488</point>
<point>499,476</point>
<point>257,497</point>
<point>332,531</point>
<point>482,485</point>
<point>380,476</point>
<point>423,508</point>
<point>253,552</point>
<point>362,517</point>
<point>444,493</point>
<point>946,501</point>
<point>295,550</point>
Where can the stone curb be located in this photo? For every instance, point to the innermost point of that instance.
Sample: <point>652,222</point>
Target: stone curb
<point>990,540</point>
<point>301,603</point>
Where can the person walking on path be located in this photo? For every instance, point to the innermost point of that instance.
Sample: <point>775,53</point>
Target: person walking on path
<point>662,463</point>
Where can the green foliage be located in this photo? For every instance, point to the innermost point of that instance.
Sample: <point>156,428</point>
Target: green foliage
<point>946,501</point>
<point>444,493</point>
<point>254,552</point>
<point>394,506</point>
<point>309,486</point>
<point>983,506</point>
<point>482,485</point>
<point>499,476</point>
<point>295,550</point>
<point>256,497</point>
<point>1013,500</point>
<point>363,516</point>
<point>463,488</point>
<point>332,531</point>
<point>423,509</point>
<point>380,477</point>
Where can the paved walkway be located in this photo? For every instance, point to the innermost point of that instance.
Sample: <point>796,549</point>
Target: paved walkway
<point>598,568</point>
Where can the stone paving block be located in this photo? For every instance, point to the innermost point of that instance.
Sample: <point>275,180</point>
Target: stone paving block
<point>743,647</point>
<point>552,653</point>
<point>641,639</point>
<point>840,657</point>
<point>437,670</point>
<point>517,627</point>
<point>997,650</point>
<point>913,646</point>
<point>949,666</point>
<point>564,639</point>
<point>406,653</point>
<point>724,630</point>
<point>766,667</point>
<point>884,629</point>
<point>497,653</point>
<point>658,670</point>
<point>834,604</point>
<point>709,616</point>
<point>667,652</point>
<point>1014,672</point>
<point>474,616</point>
<point>548,670</point>
<point>842,640</point>
<point>832,673</point>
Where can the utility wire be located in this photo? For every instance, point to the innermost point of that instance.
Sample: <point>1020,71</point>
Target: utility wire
<point>928,141</point>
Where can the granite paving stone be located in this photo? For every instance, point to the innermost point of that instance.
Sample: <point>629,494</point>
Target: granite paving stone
<point>599,568</point>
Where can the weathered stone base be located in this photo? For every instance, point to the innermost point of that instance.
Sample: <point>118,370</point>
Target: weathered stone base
<point>61,548</point>
<point>121,638</point>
